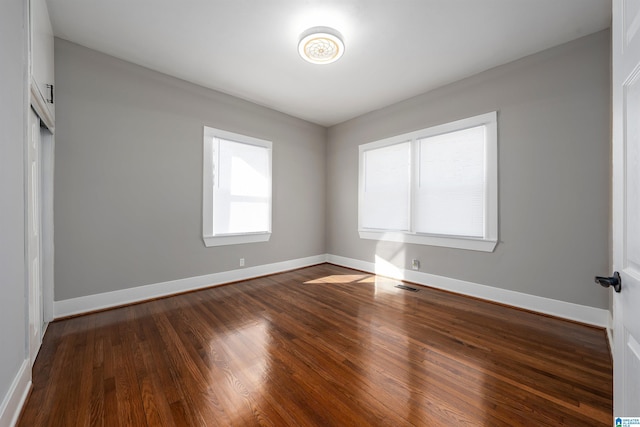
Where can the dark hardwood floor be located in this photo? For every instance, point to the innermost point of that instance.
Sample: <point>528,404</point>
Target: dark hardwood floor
<point>320,346</point>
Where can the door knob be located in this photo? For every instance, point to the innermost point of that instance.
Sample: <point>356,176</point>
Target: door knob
<point>613,281</point>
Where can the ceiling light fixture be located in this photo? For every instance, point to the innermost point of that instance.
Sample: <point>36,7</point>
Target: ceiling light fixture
<point>321,45</point>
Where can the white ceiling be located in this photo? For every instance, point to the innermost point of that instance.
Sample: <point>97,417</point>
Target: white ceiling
<point>395,49</point>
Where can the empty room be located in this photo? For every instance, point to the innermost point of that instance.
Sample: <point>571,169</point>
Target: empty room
<point>320,213</point>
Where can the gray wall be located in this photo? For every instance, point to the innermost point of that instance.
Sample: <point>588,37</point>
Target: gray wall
<point>553,136</point>
<point>13,332</point>
<point>128,177</point>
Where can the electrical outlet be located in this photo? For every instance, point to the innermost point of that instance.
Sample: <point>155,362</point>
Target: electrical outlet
<point>415,264</point>
<point>241,262</point>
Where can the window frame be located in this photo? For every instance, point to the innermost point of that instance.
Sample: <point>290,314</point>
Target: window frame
<point>488,242</point>
<point>210,239</point>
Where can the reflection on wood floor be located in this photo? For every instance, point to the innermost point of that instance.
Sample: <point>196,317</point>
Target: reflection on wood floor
<point>320,346</point>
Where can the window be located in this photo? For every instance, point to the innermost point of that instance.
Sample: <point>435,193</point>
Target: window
<point>236,188</point>
<point>437,186</point>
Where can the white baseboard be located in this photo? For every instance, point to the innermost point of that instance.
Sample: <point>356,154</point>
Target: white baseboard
<point>580,313</point>
<point>90,303</point>
<point>566,310</point>
<point>16,396</point>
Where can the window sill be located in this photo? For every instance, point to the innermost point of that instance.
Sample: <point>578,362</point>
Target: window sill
<point>235,239</point>
<point>468,243</point>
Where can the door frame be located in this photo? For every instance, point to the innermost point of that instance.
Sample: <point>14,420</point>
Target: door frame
<point>47,158</point>
<point>46,227</point>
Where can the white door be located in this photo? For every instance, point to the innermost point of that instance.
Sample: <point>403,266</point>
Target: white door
<point>626,205</point>
<point>33,237</point>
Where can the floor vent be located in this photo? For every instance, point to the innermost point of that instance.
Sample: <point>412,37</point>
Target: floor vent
<point>407,288</point>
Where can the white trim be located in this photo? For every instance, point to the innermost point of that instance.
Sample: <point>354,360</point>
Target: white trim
<point>235,239</point>
<point>47,152</point>
<point>16,396</point>
<point>610,334</point>
<point>39,105</point>
<point>468,243</point>
<point>90,303</point>
<point>566,310</point>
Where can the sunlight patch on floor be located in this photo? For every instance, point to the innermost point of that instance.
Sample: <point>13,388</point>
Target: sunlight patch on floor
<point>339,278</point>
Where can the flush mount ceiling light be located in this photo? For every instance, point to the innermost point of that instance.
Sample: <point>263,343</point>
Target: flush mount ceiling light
<point>321,45</point>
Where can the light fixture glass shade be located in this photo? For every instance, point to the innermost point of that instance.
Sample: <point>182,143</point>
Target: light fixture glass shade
<point>321,45</point>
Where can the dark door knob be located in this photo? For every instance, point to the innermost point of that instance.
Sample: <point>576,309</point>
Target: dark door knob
<point>614,281</point>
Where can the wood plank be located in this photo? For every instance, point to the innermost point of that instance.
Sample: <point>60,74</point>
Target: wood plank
<point>323,345</point>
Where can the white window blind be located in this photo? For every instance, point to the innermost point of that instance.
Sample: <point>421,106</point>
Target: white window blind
<point>387,187</point>
<point>451,183</point>
<point>241,192</point>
